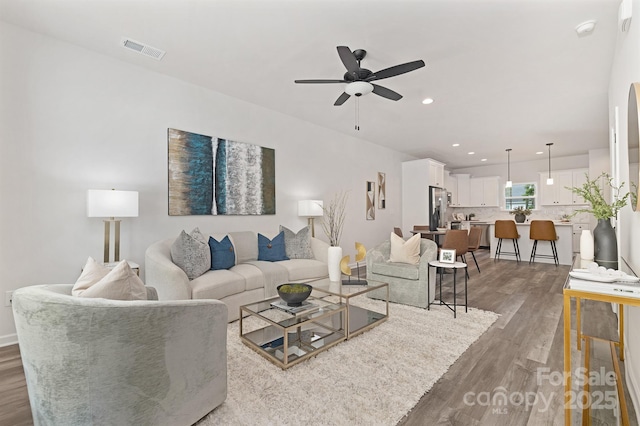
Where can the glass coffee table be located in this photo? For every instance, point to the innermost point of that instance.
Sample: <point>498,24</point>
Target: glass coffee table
<point>286,337</point>
<point>358,319</point>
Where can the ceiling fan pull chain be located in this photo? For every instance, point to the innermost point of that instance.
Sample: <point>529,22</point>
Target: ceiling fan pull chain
<point>357,119</point>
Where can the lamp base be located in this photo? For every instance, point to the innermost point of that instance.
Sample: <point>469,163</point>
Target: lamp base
<point>107,238</point>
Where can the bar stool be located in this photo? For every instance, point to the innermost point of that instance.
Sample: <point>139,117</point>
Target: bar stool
<point>507,230</point>
<point>543,230</point>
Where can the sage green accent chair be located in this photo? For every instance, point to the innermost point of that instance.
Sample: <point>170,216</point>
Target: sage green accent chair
<point>110,362</point>
<point>407,283</point>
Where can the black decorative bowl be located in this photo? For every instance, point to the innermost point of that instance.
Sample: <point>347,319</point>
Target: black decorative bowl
<point>294,294</point>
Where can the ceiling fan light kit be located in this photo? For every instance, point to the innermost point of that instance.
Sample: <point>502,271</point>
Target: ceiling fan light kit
<point>358,88</point>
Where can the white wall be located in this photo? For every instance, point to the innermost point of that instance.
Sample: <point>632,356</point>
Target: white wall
<point>626,70</point>
<point>74,120</point>
<point>527,171</point>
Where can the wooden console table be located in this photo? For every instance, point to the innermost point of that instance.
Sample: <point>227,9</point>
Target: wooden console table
<point>631,299</point>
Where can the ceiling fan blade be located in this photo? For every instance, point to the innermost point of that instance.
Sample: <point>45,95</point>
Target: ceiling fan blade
<point>396,70</point>
<point>319,81</point>
<point>348,59</point>
<point>386,93</point>
<point>342,99</point>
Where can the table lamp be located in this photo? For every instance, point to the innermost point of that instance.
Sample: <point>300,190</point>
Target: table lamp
<point>310,209</point>
<point>111,204</point>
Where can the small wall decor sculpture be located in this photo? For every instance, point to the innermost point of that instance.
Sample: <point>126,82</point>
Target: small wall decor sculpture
<point>371,200</point>
<point>382,190</point>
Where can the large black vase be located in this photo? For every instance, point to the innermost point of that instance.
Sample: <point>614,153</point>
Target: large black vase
<point>520,218</point>
<point>605,244</point>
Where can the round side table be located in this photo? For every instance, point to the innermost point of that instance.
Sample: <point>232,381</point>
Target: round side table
<point>454,266</point>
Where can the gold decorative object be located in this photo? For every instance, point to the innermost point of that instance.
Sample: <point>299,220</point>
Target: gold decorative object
<point>361,253</point>
<point>344,265</point>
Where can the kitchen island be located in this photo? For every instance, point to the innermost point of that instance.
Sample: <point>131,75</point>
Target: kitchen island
<point>564,244</point>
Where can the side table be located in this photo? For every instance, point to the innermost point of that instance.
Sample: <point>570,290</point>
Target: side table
<point>454,266</point>
<point>132,265</point>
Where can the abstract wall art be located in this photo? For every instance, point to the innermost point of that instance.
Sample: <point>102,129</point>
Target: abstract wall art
<point>382,190</point>
<point>214,176</point>
<point>371,200</point>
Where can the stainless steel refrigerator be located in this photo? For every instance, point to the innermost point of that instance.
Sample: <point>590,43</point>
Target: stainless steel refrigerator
<point>437,208</point>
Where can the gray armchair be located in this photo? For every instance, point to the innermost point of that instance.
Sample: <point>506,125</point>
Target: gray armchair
<point>110,362</point>
<point>407,283</point>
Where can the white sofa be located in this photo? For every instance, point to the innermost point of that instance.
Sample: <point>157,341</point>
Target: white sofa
<point>248,281</point>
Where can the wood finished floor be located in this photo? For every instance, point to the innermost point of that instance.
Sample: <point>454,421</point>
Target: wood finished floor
<point>527,336</point>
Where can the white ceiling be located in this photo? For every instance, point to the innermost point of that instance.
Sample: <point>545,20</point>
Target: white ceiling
<point>503,73</point>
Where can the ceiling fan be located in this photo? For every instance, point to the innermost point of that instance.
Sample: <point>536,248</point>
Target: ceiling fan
<point>359,79</point>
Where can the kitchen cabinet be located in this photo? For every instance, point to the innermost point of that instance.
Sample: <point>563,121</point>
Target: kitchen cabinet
<point>417,177</point>
<point>436,173</point>
<point>458,185</point>
<point>483,192</point>
<point>558,194</point>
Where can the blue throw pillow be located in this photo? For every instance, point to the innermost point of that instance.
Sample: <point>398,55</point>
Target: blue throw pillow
<point>222,253</point>
<point>271,250</point>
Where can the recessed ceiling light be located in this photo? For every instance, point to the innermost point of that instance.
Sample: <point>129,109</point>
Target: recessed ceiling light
<point>470,152</point>
<point>427,101</point>
<point>456,144</point>
<point>484,159</point>
<point>539,153</point>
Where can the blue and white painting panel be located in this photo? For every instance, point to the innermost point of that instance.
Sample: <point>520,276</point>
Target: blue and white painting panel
<point>212,176</point>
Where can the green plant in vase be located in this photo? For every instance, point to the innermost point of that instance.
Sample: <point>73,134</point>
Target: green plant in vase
<point>604,236</point>
<point>521,213</point>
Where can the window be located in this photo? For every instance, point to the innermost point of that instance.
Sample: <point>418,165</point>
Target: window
<point>520,195</point>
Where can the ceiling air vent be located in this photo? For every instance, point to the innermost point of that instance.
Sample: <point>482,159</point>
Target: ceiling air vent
<point>143,49</point>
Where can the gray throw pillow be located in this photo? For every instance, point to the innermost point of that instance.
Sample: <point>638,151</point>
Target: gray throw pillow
<point>191,253</point>
<point>297,245</point>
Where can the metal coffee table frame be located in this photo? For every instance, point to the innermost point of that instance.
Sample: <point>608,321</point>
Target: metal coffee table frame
<point>299,336</point>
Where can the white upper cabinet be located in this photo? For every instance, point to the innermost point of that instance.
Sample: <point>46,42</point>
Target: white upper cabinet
<point>459,192</point>
<point>483,192</point>
<point>558,194</point>
<point>436,173</point>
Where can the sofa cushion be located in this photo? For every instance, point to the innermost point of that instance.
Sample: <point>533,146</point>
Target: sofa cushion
<point>274,274</point>
<point>405,251</point>
<point>245,244</point>
<point>271,250</point>
<point>92,272</point>
<point>305,269</point>
<point>297,245</point>
<point>393,269</point>
<point>253,277</point>
<point>222,253</point>
<point>217,284</point>
<point>191,253</point>
<point>121,283</point>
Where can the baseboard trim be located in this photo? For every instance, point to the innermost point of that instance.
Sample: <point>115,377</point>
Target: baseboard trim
<point>630,377</point>
<point>9,339</point>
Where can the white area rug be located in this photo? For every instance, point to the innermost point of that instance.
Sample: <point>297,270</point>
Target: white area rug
<point>373,379</point>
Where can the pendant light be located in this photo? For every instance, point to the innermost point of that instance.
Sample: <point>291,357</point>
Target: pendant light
<point>549,179</point>
<point>509,184</point>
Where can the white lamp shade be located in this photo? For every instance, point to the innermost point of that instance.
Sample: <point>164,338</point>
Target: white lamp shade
<point>112,203</point>
<point>310,208</point>
<point>549,181</point>
<point>509,184</point>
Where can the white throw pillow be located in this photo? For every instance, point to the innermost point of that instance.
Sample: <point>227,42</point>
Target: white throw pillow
<point>405,251</point>
<point>91,274</point>
<point>121,283</point>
